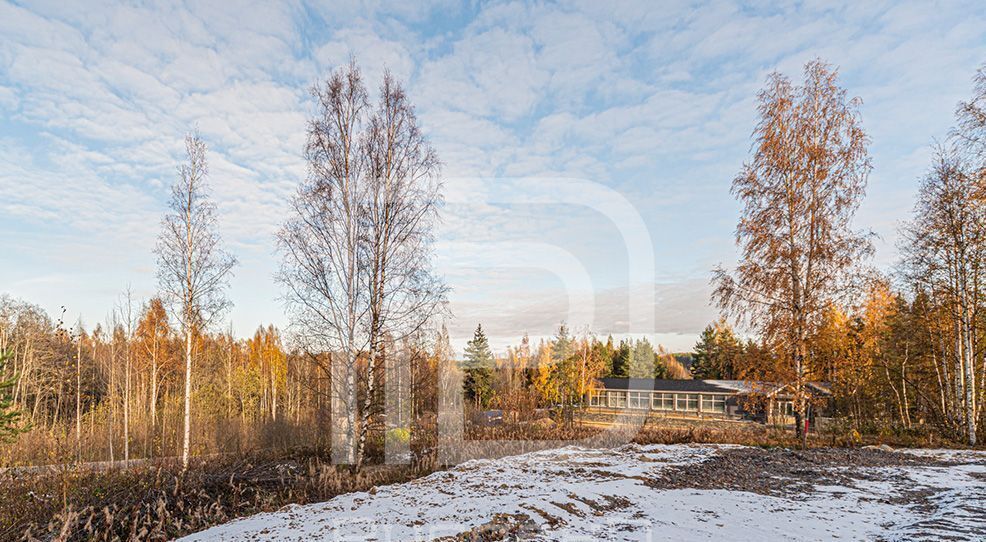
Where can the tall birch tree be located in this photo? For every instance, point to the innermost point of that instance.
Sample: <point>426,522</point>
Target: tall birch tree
<point>193,267</point>
<point>799,192</point>
<point>323,268</point>
<point>357,245</point>
<point>945,254</point>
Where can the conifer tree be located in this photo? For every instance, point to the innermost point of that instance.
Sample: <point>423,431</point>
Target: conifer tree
<point>621,360</point>
<point>562,347</point>
<point>478,367</point>
<point>705,351</point>
<point>717,353</point>
<point>642,360</point>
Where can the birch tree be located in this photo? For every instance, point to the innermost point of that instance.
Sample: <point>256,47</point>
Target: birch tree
<point>323,267</point>
<point>126,312</point>
<point>799,193</point>
<point>945,254</point>
<point>357,246</point>
<point>193,267</point>
<point>401,211</point>
<point>945,261</point>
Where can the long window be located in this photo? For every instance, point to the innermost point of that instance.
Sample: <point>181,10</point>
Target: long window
<point>686,402</point>
<point>639,400</point>
<point>713,403</point>
<point>616,399</point>
<point>662,401</point>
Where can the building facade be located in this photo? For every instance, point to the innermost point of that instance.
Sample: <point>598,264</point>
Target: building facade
<point>701,399</point>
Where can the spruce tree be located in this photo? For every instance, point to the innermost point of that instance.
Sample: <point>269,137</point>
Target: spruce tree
<point>716,353</point>
<point>478,366</point>
<point>642,360</point>
<point>621,360</point>
<point>705,352</point>
<point>561,348</point>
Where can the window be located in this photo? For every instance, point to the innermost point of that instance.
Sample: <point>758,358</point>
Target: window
<point>638,400</point>
<point>786,408</point>
<point>662,401</point>
<point>616,399</point>
<point>686,402</point>
<point>597,399</point>
<point>713,403</point>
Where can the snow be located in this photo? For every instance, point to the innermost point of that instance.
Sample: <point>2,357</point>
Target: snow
<point>600,494</point>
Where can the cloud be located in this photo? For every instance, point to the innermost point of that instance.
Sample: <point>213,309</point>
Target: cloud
<point>681,311</point>
<point>8,99</point>
<point>655,102</point>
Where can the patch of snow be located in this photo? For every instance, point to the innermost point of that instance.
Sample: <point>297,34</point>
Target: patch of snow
<point>601,494</point>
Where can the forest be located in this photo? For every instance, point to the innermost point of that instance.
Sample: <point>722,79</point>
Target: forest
<point>903,349</point>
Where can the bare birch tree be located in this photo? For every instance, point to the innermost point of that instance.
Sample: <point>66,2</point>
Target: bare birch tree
<point>126,311</point>
<point>800,192</point>
<point>324,264</point>
<point>970,131</point>
<point>401,211</point>
<point>945,257</point>
<point>193,268</point>
<point>80,337</point>
<point>357,246</point>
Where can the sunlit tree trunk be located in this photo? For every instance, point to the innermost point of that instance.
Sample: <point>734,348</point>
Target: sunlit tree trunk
<point>193,268</point>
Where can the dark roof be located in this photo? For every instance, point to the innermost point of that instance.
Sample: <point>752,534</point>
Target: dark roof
<point>713,386</point>
<point>707,386</point>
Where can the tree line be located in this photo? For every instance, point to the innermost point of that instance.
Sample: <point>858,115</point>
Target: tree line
<point>116,391</point>
<point>557,372</point>
<point>902,349</point>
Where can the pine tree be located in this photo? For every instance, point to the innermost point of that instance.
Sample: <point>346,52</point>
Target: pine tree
<point>8,416</point>
<point>478,365</point>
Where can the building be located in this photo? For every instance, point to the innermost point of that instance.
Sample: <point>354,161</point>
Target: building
<point>702,399</point>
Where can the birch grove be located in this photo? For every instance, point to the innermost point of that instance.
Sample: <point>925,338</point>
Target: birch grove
<point>357,246</point>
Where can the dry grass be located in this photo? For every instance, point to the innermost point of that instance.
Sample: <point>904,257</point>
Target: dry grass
<point>154,501</point>
<point>158,502</point>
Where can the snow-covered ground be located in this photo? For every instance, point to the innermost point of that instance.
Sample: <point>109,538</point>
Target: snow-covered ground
<point>587,494</point>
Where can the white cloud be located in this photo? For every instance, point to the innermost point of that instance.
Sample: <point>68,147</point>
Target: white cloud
<point>655,101</point>
<point>8,99</point>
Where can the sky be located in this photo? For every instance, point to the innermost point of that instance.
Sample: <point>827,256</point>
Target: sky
<point>587,147</point>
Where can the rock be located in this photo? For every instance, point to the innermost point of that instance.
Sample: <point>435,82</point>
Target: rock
<point>882,448</point>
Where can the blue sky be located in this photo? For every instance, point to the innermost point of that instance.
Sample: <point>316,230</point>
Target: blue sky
<point>588,148</point>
